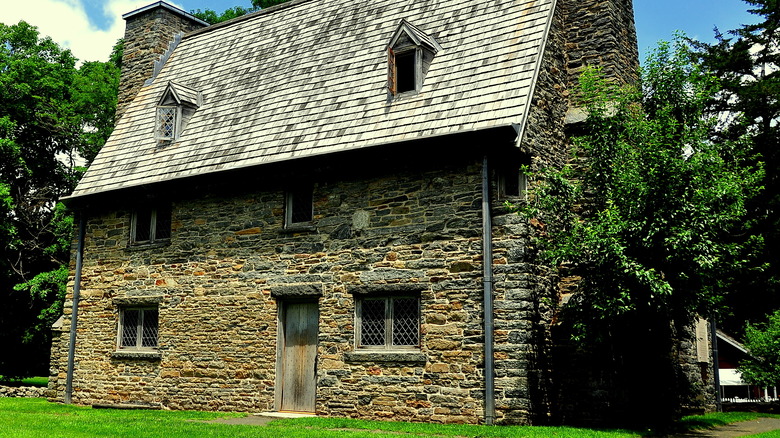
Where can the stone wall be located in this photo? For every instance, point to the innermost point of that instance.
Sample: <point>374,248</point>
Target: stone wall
<point>58,360</point>
<point>601,33</point>
<point>395,227</point>
<point>147,36</point>
<point>544,138</point>
<point>22,391</point>
<point>524,290</point>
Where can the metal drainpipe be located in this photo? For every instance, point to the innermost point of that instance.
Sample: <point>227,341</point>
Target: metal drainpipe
<point>715,364</point>
<point>487,257</point>
<point>75,310</point>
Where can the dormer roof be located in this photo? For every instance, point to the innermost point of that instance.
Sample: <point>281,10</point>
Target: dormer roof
<point>417,36</point>
<point>310,77</point>
<point>180,95</point>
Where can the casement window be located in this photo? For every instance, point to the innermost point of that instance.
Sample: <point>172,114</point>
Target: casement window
<point>167,124</point>
<point>298,207</point>
<point>409,56</point>
<point>512,182</point>
<point>388,323</point>
<point>138,328</point>
<point>175,107</point>
<point>150,225</point>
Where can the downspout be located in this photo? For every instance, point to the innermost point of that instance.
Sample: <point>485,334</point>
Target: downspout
<point>487,276</point>
<point>75,310</point>
<point>715,364</point>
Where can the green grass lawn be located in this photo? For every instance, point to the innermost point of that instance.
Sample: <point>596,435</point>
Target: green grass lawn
<point>709,421</point>
<point>26,418</point>
<point>30,381</point>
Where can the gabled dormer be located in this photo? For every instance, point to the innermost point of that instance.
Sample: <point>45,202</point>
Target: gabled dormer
<point>176,106</point>
<point>409,55</point>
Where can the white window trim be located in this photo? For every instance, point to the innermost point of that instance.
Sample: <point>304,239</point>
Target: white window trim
<point>139,329</point>
<point>176,122</point>
<point>522,185</point>
<point>389,319</point>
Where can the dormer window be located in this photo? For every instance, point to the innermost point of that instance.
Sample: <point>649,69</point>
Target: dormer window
<point>406,71</point>
<point>168,118</point>
<point>409,55</point>
<point>174,109</point>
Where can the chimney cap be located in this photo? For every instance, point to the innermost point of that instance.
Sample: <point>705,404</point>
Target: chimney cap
<point>164,5</point>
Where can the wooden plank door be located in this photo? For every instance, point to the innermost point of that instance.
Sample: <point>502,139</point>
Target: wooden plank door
<point>298,357</point>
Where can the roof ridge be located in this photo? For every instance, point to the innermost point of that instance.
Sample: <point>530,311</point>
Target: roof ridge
<point>245,17</point>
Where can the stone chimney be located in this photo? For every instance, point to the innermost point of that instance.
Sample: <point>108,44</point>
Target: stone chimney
<point>149,32</point>
<point>601,33</point>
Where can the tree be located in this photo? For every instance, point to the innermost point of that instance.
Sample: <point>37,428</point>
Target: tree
<point>212,17</point>
<point>748,65</point>
<point>53,119</point>
<point>646,215</point>
<point>762,340</point>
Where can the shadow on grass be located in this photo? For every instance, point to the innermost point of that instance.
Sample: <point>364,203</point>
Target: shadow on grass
<point>42,382</point>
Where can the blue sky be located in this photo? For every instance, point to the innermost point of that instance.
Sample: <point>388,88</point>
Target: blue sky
<point>90,27</point>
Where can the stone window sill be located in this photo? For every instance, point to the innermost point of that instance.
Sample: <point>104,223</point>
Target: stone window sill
<point>145,246</point>
<point>385,356</point>
<point>298,228</point>
<point>137,354</point>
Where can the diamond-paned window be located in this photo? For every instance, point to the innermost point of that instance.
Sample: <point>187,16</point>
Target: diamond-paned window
<point>138,328</point>
<point>167,122</point>
<point>388,322</point>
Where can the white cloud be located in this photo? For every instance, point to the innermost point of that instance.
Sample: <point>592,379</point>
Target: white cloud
<point>66,22</point>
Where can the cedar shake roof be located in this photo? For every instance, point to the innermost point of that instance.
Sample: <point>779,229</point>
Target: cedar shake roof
<point>310,78</point>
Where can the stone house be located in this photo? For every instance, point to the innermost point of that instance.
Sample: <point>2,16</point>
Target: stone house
<point>301,209</point>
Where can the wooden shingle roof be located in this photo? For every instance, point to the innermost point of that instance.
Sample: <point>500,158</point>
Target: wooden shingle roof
<point>310,78</point>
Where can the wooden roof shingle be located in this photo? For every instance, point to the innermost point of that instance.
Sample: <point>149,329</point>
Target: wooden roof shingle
<point>310,79</point>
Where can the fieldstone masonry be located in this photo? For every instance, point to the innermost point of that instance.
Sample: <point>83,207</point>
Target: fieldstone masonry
<point>601,33</point>
<point>22,391</point>
<point>230,262</point>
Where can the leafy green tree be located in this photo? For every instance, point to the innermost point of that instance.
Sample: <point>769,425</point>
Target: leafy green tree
<point>747,62</point>
<point>53,119</point>
<point>762,340</point>
<point>262,4</point>
<point>646,215</point>
<point>213,17</point>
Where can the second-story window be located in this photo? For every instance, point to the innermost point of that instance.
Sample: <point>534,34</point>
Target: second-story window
<point>150,225</point>
<point>298,207</point>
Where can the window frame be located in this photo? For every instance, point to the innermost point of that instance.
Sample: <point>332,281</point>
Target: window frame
<point>138,346</point>
<point>290,198</point>
<point>504,174</point>
<point>416,70</point>
<point>153,224</point>
<point>389,323</point>
<point>177,115</point>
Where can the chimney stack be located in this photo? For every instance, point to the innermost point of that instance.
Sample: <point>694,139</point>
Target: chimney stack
<point>601,33</point>
<point>148,33</point>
